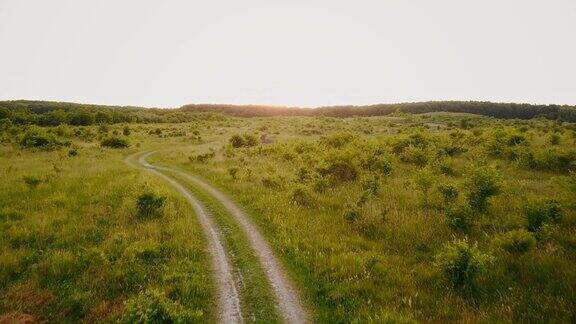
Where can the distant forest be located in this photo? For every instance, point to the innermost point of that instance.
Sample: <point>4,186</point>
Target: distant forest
<point>46,113</point>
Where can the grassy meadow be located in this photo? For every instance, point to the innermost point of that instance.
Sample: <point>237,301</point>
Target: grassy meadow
<point>436,217</point>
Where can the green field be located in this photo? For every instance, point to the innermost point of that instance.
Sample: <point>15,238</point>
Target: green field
<point>432,217</point>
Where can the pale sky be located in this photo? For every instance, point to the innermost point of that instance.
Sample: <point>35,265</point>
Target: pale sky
<point>297,53</point>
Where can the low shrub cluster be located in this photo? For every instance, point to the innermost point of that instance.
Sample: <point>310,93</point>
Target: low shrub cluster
<point>149,205</point>
<point>114,142</point>
<point>245,140</point>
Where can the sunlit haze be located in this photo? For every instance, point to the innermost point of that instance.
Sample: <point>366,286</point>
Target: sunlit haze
<point>297,53</point>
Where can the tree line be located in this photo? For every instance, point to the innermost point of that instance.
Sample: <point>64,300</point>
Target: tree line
<point>46,113</point>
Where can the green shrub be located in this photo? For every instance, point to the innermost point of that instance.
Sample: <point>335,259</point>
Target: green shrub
<point>36,137</point>
<point>461,263</point>
<point>540,213</point>
<point>149,205</point>
<point>340,169</point>
<point>126,131</point>
<point>73,152</point>
<point>153,306</point>
<point>114,142</point>
<point>424,179</point>
<point>449,193</point>
<point>246,140</point>
<point>549,159</point>
<point>460,217</point>
<point>371,185</point>
<point>446,166</point>
<point>553,139</point>
<point>517,241</point>
<point>482,183</point>
<point>415,155</point>
<point>378,163</point>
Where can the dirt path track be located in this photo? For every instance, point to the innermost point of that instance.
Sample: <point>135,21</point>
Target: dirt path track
<point>287,300</point>
<point>228,303</point>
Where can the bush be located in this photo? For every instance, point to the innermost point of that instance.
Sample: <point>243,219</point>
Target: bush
<point>424,179</point>
<point>126,131</point>
<point>36,137</point>
<point>517,241</point>
<point>150,205</point>
<point>449,193</point>
<point>553,139</point>
<point>461,263</point>
<point>153,306</point>
<point>378,163</point>
<point>482,183</point>
<point>114,142</point>
<point>246,140</point>
<point>460,217</point>
<point>415,155</point>
<point>446,166</point>
<point>540,213</point>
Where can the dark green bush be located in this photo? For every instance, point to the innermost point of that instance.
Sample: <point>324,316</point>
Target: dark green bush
<point>542,212</point>
<point>449,193</point>
<point>461,263</point>
<point>446,166</point>
<point>149,205</point>
<point>378,163</point>
<point>482,183</point>
<point>246,140</point>
<point>339,168</point>
<point>114,142</point>
<point>460,217</point>
<point>36,137</point>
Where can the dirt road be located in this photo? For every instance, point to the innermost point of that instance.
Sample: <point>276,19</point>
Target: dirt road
<point>228,303</point>
<point>287,300</point>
